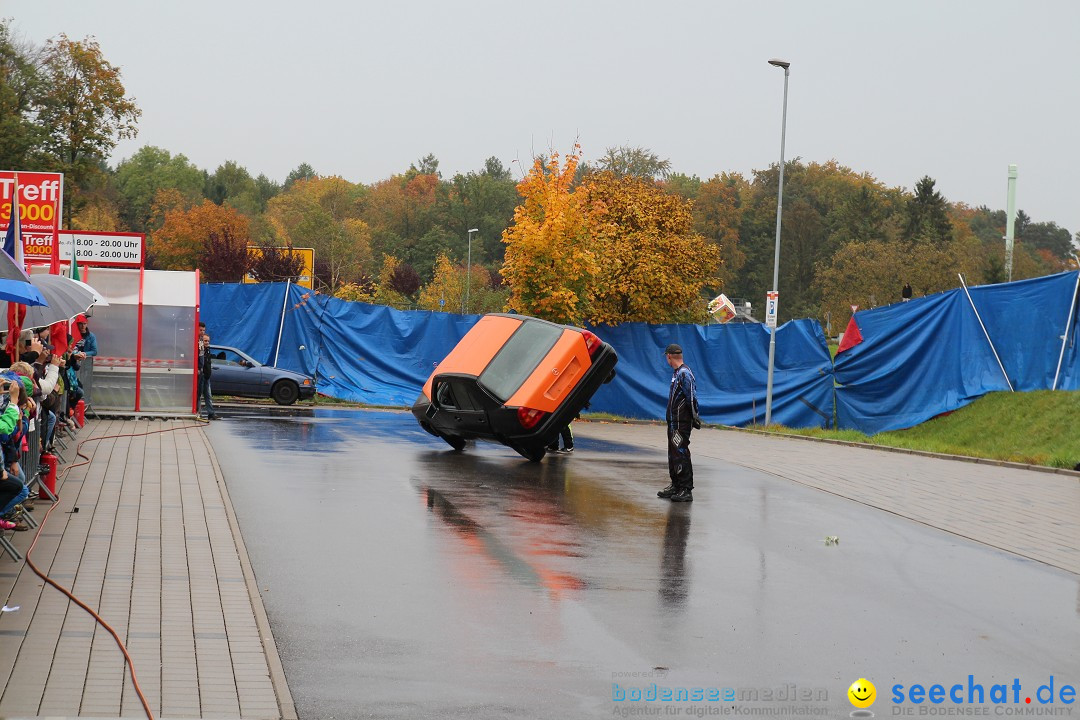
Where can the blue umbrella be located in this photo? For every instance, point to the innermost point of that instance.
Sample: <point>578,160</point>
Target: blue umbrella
<point>14,282</point>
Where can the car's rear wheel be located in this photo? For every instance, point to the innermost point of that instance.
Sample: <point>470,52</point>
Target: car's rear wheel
<point>285,392</point>
<point>530,455</point>
<point>458,443</point>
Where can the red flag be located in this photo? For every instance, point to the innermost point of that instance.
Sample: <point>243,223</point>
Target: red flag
<point>58,336</point>
<point>16,314</point>
<point>76,336</point>
<point>852,336</point>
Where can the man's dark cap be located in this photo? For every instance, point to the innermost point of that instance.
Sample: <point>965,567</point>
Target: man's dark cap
<point>673,349</point>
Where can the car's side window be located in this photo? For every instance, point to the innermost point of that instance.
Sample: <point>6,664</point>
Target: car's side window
<point>444,396</point>
<point>456,394</point>
<point>226,357</point>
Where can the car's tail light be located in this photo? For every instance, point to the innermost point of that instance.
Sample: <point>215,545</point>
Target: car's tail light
<point>592,343</point>
<point>528,417</point>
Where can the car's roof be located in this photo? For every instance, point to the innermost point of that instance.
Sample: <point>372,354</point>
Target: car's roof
<point>484,340</point>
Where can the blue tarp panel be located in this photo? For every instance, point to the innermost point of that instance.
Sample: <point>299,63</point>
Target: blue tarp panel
<point>1026,320</point>
<point>381,356</point>
<point>928,356</point>
<point>241,316</point>
<point>367,353</point>
<point>730,363</point>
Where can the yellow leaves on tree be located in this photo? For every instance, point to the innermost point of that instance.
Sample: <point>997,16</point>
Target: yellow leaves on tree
<point>650,264</point>
<point>549,265</point>
<point>447,290</point>
<point>385,294</point>
<point>614,250</point>
<point>181,241</point>
<point>98,214</point>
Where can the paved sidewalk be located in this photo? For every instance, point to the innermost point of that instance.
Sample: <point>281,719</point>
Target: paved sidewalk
<point>155,549</point>
<point>1030,513</point>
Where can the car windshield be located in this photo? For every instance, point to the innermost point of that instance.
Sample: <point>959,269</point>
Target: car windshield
<point>518,358</point>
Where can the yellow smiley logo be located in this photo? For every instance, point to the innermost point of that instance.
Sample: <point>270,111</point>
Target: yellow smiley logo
<point>862,693</point>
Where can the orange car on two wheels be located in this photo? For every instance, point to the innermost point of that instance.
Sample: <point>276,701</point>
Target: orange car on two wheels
<point>516,380</point>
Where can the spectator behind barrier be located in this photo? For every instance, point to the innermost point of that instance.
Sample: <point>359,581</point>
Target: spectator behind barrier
<point>12,489</point>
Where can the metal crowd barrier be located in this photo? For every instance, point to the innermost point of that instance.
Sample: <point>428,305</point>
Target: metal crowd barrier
<point>29,461</point>
<point>85,374</point>
<point>30,458</point>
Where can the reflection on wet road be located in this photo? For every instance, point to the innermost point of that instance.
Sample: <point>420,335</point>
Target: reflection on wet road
<point>405,580</point>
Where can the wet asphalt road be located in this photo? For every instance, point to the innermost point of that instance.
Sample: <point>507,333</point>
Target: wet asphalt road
<point>404,580</point>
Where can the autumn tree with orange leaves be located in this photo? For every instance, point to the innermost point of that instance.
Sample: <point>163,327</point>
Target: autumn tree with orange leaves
<point>181,242</point>
<point>650,264</point>
<point>615,249</point>
<point>549,265</point>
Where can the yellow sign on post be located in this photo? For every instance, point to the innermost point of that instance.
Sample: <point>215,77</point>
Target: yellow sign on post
<point>307,274</point>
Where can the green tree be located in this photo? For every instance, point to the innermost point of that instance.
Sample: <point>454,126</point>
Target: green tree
<point>862,216</point>
<point>83,108</point>
<point>685,186</point>
<point>927,215</point>
<point>140,177</point>
<point>483,200</point>
<point>402,213</point>
<point>232,184</point>
<point>626,161</point>
<point>323,213</point>
<point>427,165</point>
<point>303,171</point>
<point>1048,236</point>
<point>21,84</point>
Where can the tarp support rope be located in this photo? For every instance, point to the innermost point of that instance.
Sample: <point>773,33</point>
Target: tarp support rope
<point>281,325</point>
<point>977,317</point>
<point>1065,336</point>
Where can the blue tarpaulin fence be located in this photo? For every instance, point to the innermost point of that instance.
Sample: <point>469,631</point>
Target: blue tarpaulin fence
<point>928,356</point>
<point>381,356</point>
<point>917,359</point>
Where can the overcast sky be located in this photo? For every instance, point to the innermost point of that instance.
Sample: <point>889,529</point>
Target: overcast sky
<point>954,90</point>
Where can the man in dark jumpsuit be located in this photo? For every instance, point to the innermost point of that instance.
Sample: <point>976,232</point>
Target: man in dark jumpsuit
<point>682,416</point>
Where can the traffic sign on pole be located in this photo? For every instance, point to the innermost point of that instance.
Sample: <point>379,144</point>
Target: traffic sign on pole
<point>772,302</point>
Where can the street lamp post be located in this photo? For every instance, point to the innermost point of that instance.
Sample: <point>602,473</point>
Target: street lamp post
<point>468,274</point>
<point>776,253</point>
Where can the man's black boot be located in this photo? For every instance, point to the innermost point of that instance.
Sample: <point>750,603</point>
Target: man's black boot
<point>666,492</point>
<point>683,495</point>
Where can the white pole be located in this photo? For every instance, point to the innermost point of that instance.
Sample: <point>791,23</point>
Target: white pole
<point>281,325</point>
<point>1065,337</point>
<point>468,274</point>
<point>977,317</point>
<point>1010,221</point>
<point>776,251</point>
